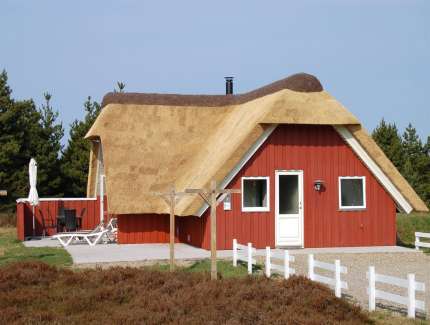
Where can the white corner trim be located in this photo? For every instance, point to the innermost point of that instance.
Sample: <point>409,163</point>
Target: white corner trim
<point>251,151</point>
<point>401,201</point>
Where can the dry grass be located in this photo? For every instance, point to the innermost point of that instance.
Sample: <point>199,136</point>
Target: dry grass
<point>388,318</point>
<point>33,292</point>
<point>7,219</point>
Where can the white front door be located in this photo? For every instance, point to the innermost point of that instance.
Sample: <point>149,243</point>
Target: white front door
<point>289,208</point>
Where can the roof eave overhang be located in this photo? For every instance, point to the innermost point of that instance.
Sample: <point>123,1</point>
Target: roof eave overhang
<point>401,202</point>
<point>246,157</point>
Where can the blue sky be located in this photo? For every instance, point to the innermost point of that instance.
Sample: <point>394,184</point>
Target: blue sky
<point>373,56</point>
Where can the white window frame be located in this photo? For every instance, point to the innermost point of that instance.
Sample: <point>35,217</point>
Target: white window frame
<point>256,209</point>
<point>357,207</point>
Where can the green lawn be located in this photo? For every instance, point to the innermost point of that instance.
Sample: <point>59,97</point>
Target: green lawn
<point>408,224</point>
<point>12,250</point>
<point>225,268</point>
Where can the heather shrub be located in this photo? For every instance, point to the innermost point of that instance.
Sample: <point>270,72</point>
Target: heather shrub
<point>33,292</point>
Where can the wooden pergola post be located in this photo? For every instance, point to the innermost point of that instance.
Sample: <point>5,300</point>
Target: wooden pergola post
<point>210,197</point>
<point>171,198</point>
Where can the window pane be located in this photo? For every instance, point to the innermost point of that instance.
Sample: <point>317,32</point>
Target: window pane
<point>254,193</point>
<point>288,194</point>
<point>227,202</point>
<point>351,192</point>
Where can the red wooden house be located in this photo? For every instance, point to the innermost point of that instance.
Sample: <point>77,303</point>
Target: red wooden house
<point>309,174</point>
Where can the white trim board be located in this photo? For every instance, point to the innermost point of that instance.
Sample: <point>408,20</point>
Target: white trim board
<point>246,157</point>
<point>60,199</point>
<point>401,201</point>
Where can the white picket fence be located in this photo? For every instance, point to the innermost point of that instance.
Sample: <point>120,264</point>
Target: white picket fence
<point>410,301</point>
<point>283,268</point>
<point>419,243</point>
<point>336,281</point>
<point>244,253</point>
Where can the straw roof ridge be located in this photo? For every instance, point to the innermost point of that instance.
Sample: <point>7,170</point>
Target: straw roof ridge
<point>300,82</point>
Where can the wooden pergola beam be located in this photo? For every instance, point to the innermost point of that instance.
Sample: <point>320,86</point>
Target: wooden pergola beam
<point>210,197</point>
<point>171,198</point>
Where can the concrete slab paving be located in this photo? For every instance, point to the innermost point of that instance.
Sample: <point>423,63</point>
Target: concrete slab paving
<point>42,242</point>
<point>82,254</point>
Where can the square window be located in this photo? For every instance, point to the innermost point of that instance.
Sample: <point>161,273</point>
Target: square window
<point>352,192</point>
<point>255,194</point>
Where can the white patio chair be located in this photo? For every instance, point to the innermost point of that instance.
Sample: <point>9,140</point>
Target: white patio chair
<point>91,238</point>
<point>112,226</point>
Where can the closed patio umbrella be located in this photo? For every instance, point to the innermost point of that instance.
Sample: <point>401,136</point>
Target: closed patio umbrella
<point>33,197</point>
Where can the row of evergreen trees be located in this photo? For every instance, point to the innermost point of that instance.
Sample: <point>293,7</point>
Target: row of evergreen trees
<point>28,131</point>
<point>408,153</point>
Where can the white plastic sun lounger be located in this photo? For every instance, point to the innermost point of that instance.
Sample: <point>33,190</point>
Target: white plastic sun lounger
<point>92,238</point>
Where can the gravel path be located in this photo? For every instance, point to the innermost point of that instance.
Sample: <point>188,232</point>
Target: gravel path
<point>394,264</point>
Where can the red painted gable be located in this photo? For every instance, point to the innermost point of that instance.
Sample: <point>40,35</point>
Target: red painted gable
<point>322,154</point>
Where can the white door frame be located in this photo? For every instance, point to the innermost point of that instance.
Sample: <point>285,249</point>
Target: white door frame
<point>301,206</point>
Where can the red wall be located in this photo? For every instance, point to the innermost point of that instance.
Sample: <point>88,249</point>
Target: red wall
<point>151,228</point>
<point>46,214</point>
<point>322,154</point>
<point>154,228</point>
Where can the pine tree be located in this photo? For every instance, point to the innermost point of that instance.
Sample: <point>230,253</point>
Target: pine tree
<point>49,150</point>
<point>75,159</point>
<point>120,86</point>
<point>20,132</point>
<point>389,140</point>
<point>416,168</point>
<point>413,150</point>
<point>5,92</point>
<point>9,145</point>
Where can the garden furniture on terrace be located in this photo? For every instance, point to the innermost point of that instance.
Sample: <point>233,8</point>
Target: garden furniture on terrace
<point>61,219</point>
<point>70,219</point>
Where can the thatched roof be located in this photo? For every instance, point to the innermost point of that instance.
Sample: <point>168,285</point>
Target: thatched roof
<point>153,140</point>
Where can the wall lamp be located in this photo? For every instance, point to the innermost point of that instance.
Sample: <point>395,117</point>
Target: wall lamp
<point>318,185</point>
